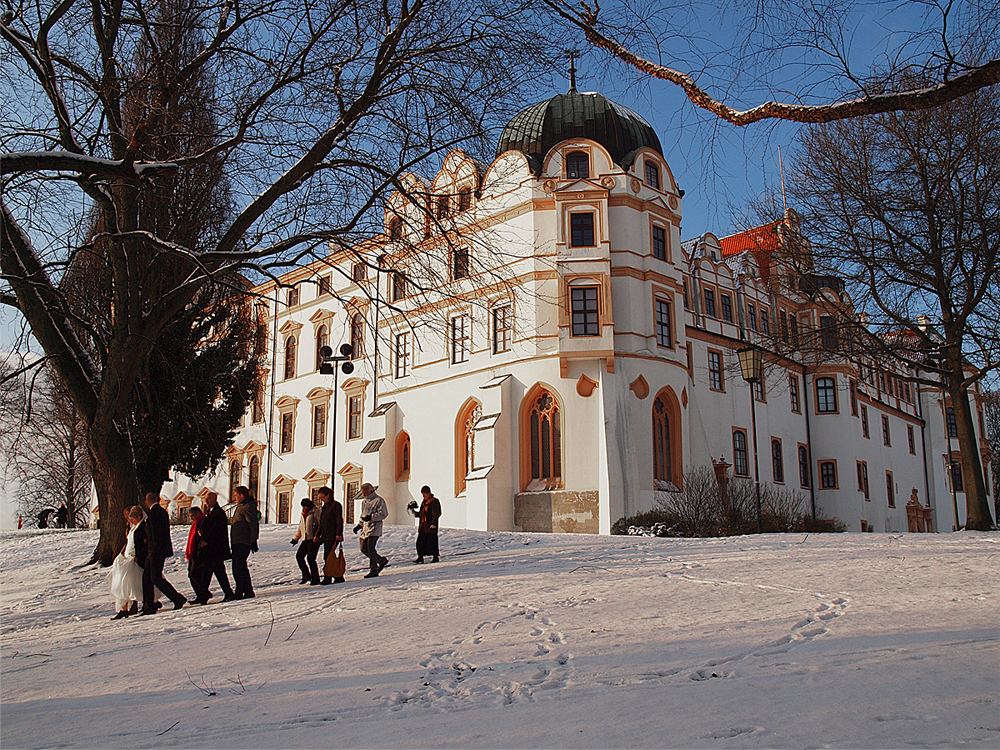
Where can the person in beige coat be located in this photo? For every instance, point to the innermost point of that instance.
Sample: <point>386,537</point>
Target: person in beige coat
<point>373,512</point>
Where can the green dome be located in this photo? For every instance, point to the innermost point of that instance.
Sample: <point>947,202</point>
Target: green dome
<point>535,130</point>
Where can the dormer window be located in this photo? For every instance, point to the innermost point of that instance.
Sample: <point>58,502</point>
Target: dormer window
<point>464,199</point>
<point>652,174</point>
<point>577,165</point>
<point>359,271</point>
<point>395,229</point>
<point>443,206</point>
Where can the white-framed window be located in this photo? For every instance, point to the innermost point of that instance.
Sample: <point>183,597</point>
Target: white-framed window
<point>585,310</point>
<point>716,377</point>
<point>502,328</point>
<point>460,332</point>
<point>826,395</point>
<point>581,229</point>
<point>402,354</point>
<point>652,173</point>
<point>663,325</point>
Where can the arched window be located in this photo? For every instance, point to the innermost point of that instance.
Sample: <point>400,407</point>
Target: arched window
<point>661,442</point>
<point>253,483</point>
<point>358,336</point>
<point>395,228</point>
<point>577,165</point>
<point>542,439</point>
<point>322,339</point>
<point>290,346</point>
<point>235,474</point>
<point>465,442</point>
<point>777,462</point>
<point>402,457</point>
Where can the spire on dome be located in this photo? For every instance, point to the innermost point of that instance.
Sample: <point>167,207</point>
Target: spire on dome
<point>572,73</point>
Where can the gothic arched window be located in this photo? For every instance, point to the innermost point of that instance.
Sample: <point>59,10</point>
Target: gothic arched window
<point>661,442</point>
<point>542,433</point>
<point>465,443</point>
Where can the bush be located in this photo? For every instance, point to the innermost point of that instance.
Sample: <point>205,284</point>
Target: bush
<point>700,510</point>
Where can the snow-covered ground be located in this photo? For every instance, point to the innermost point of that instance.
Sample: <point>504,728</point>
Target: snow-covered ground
<point>520,641</point>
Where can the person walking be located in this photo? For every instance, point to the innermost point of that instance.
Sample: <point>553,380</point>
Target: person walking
<point>427,529</point>
<point>158,549</point>
<point>125,578</point>
<point>194,553</point>
<point>373,512</point>
<point>243,539</point>
<point>331,528</point>
<point>61,516</point>
<point>214,551</point>
<point>308,532</point>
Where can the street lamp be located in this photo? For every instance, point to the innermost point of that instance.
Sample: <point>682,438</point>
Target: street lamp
<point>329,367</point>
<point>752,369</point>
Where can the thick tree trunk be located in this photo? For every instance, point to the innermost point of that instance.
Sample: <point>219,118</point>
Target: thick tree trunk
<point>114,478</point>
<point>977,508</point>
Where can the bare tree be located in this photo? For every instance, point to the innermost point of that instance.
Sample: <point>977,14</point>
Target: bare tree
<point>905,207</point>
<point>991,404</point>
<point>43,440</point>
<point>686,46</point>
<point>320,107</point>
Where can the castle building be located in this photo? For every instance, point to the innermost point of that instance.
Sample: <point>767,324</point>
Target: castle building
<point>533,340</point>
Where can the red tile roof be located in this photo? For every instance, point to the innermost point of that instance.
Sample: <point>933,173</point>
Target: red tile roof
<point>759,239</point>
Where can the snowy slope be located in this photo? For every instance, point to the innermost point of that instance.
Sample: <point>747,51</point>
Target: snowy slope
<point>520,640</point>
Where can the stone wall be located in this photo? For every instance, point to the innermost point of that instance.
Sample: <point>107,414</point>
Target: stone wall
<point>561,511</point>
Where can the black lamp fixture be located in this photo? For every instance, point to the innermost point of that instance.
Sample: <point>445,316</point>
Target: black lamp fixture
<point>328,366</point>
<point>752,369</point>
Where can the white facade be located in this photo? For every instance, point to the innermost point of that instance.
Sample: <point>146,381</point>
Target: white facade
<point>485,339</point>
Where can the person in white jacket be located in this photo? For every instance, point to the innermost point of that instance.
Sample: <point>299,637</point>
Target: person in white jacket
<point>308,532</point>
<point>373,512</point>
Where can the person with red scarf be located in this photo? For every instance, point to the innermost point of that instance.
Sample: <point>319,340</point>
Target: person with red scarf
<point>427,531</point>
<point>196,565</point>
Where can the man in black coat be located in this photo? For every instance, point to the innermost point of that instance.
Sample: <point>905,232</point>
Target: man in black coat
<point>159,549</point>
<point>215,549</point>
<point>331,526</point>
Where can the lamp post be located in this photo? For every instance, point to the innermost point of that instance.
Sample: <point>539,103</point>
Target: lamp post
<point>329,367</point>
<point>752,369</point>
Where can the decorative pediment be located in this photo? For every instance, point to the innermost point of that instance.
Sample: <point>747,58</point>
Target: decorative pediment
<point>321,316</point>
<point>354,385</point>
<point>290,326</point>
<point>580,185</point>
<point>183,499</point>
<point>253,446</point>
<point>356,305</point>
<point>349,468</point>
<point>232,452</point>
<point>282,480</point>
<point>319,394</point>
<point>204,492</point>
<point>316,477</point>
<point>287,402</point>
